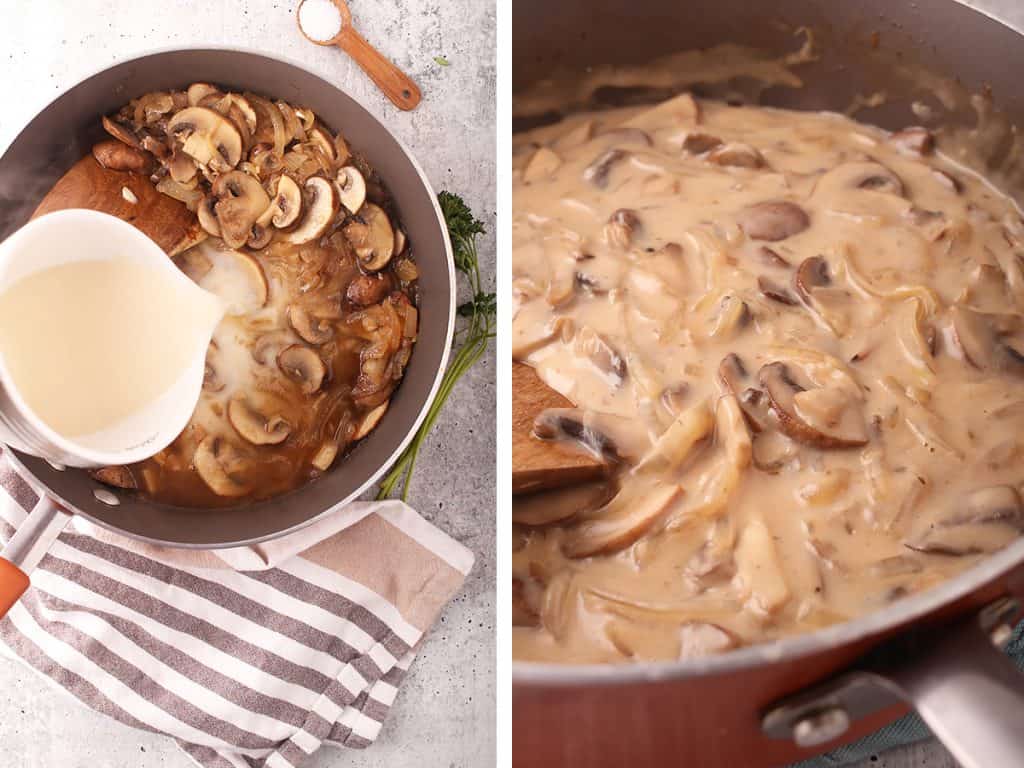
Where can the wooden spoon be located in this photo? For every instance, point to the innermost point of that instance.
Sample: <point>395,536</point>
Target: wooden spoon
<point>539,465</point>
<point>89,185</point>
<point>396,85</point>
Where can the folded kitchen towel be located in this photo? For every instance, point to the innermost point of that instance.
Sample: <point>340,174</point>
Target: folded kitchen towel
<point>247,657</point>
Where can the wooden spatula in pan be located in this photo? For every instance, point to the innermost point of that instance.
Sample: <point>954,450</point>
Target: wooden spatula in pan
<point>128,196</point>
<point>539,465</point>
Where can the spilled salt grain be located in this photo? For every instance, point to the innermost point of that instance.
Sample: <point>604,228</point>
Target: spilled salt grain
<point>319,19</point>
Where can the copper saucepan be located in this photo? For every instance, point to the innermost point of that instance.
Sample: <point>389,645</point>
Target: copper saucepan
<point>65,131</point>
<point>777,703</point>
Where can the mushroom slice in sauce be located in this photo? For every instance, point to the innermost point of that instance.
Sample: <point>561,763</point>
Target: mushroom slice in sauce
<point>303,366</point>
<point>609,363</point>
<point>773,221</point>
<point>370,421</point>
<point>988,342</point>
<point>677,443</point>
<point>216,461</point>
<point>597,172</point>
<point>858,176</point>
<point>985,520</point>
<point>736,155</point>
<point>701,638</point>
<point>373,238</point>
<point>116,477</point>
<point>825,420</point>
<point>607,437</point>
<point>255,427</point>
<point>560,504</point>
<point>622,521</point>
<point>914,141</point>
<point>758,569</point>
<point>313,329</point>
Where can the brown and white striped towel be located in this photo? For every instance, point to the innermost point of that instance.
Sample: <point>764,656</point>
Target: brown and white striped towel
<point>248,657</point>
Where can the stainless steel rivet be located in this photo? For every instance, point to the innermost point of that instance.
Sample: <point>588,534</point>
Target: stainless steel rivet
<point>106,497</point>
<point>819,727</point>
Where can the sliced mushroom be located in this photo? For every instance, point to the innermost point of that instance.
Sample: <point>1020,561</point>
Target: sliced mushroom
<point>325,456</point>
<point>609,363</point>
<point>287,203</point>
<point>988,342</point>
<point>868,176</point>
<point>318,138</point>
<point>365,290</point>
<point>679,442</point>
<point>267,347</point>
<point>116,477</point>
<point>303,366</point>
<point>240,202</point>
<point>121,133</point>
<point>597,172</point>
<point>730,315</point>
<point>606,437</point>
<point>736,155</point>
<point>320,206</point>
<point>208,216</point>
<point>208,137</point>
<point>400,241</point>
<point>773,221</point>
<point>985,520</point>
<point>622,521</point>
<point>914,141</point>
<point>373,239</point>
<point>771,451</point>
<point>315,330</point>
<point>116,156</point>
<point>351,188</point>
<point>775,292</point>
<point>254,426</point>
<point>771,257</point>
<point>216,461</point>
<point>370,421</point>
<point>699,143</point>
<point>841,426</point>
<point>621,227</point>
<point>554,506</point>
<point>199,91</point>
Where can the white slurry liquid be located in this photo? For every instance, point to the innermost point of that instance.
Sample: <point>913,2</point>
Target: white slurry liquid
<point>89,343</point>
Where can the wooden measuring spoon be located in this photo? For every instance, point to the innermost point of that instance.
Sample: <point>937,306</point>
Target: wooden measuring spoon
<point>539,465</point>
<point>396,85</point>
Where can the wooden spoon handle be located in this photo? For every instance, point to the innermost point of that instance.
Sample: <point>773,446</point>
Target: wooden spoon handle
<point>396,84</point>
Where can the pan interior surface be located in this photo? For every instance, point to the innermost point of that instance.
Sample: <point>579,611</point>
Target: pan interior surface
<point>66,130</point>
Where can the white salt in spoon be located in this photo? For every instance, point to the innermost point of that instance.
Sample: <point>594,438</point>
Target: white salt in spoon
<point>329,22</point>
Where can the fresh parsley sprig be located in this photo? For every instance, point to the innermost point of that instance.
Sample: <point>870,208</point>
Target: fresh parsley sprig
<point>472,339</point>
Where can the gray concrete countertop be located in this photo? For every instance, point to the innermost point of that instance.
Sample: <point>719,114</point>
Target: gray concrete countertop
<point>444,714</point>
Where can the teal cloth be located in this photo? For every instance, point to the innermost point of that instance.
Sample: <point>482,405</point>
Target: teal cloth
<point>906,730</point>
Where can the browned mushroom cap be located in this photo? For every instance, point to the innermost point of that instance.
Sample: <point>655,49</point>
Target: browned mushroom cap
<point>121,132</point>
<point>988,342</point>
<point>320,206</point>
<point>208,137</point>
<point>217,462</point>
<point>315,330</point>
<point>985,520</point>
<point>303,366</point>
<point>835,424</point>
<point>240,202</point>
<point>811,274</point>
<point>699,143</point>
<point>287,203</point>
<point>547,507</point>
<point>373,238</point>
<point>351,188</point>
<point>370,421</point>
<point>365,290</point>
<point>736,155</point>
<point>254,426</point>
<point>116,477</point>
<point>734,378</point>
<point>914,141</point>
<point>116,156</point>
<point>597,172</point>
<point>773,221</point>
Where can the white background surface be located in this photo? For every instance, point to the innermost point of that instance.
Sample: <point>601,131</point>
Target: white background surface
<point>444,714</point>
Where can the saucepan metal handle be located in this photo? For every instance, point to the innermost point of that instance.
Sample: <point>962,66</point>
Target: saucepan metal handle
<point>957,676</point>
<point>26,548</point>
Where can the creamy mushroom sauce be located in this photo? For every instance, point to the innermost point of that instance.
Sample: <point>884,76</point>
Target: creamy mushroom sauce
<point>797,338</point>
<point>300,238</point>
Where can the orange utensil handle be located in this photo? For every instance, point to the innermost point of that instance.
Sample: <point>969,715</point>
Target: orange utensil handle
<point>396,85</point>
<point>13,583</point>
